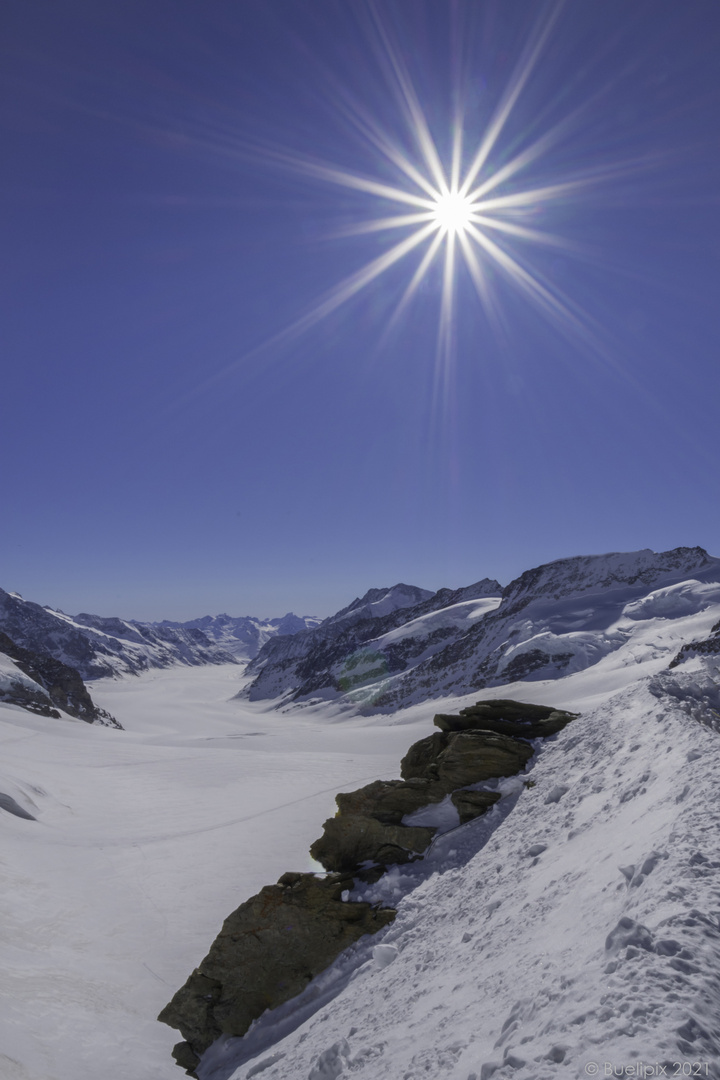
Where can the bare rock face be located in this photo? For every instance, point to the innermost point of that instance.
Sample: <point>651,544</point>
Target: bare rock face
<point>389,800</point>
<point>515,718</point>
<point>472,756</point>
<point>422,757</point>
<point>351,841</point>
<point>267,952</point>
<point>460,758</point>
<point>58,684</point>
<point>472,804</point>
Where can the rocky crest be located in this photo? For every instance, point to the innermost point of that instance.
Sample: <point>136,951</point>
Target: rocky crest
<point>709,646</point>
<point>276,942</point>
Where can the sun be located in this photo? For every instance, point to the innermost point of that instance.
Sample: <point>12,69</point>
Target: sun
<point>453,212</point>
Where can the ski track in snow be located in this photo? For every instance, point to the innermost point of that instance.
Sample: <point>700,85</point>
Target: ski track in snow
<point>577,923</point>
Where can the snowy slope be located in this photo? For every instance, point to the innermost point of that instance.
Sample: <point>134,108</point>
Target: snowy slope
<point>580,933</point>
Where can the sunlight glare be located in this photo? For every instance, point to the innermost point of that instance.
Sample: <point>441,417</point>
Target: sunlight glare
<point>452,212</point>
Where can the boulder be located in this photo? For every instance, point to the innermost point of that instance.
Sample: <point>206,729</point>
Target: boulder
<point>472,756</point>
<point>351,840</point>
<point>460,758</point>
<point>472,804</point>
<point>422,755</point>
<point>389,800</point>
<point>506,717</point>
<point>267,952</point>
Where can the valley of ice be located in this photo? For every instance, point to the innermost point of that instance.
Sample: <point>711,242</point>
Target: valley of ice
<point>572,931</point>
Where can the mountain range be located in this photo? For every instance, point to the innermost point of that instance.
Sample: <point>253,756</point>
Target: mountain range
<point>397,646</point>
<point>384,652</point>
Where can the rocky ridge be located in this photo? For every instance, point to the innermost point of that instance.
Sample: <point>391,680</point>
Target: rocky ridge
<point>49,685</point>
<point>272,946</point>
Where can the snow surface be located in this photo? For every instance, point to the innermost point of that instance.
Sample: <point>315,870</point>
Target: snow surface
<point>577,922</point>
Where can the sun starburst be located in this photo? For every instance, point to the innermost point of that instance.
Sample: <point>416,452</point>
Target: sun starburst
<point>471,211</point>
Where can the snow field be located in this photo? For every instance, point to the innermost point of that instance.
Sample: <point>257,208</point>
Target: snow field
<point>146,839</point>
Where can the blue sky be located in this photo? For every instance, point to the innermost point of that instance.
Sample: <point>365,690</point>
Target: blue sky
<point>172,447</point>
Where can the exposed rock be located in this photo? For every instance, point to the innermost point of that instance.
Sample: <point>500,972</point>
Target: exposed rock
<point>471,756</point>
<point>276,942</point>
<point>389,800</point>
<point>267,952</point>
<point>506,717</point>
<point>472,804</point>
<point>350,841</point>
<point>62,684</point>
<point>710,646</point>
<point>422,755</point>
<point>460,758</point>
<point>35,701</point>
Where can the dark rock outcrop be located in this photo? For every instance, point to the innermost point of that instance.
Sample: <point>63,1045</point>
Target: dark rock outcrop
<point>506,717</point>
<point>472,756</point>
<point>388,800</point>
<point>275,943</point>
<point>473,804</point>
<point>351,841</point>
<point>62,686</point>
<point>267,952</point>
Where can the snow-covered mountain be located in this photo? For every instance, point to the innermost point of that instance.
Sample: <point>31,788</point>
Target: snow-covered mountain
<point>555,619</point>
<point>97,647</point>
<point>386,630</point>
<point>245,635</point>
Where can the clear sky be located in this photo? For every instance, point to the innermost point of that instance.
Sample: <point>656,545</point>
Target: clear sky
<point>208,404</point>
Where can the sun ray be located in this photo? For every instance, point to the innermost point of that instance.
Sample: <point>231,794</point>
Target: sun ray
<point>517,84</point>
<point>415,282</point>
<point>411,106</point>
<point>521,278</point>
<point>400,221</point>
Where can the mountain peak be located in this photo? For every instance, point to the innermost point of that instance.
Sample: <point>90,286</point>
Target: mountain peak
<point>378,602</point>
<point>617,569</point>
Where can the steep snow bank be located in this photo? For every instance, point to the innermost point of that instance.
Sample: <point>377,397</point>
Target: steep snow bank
<point>583,935</point>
